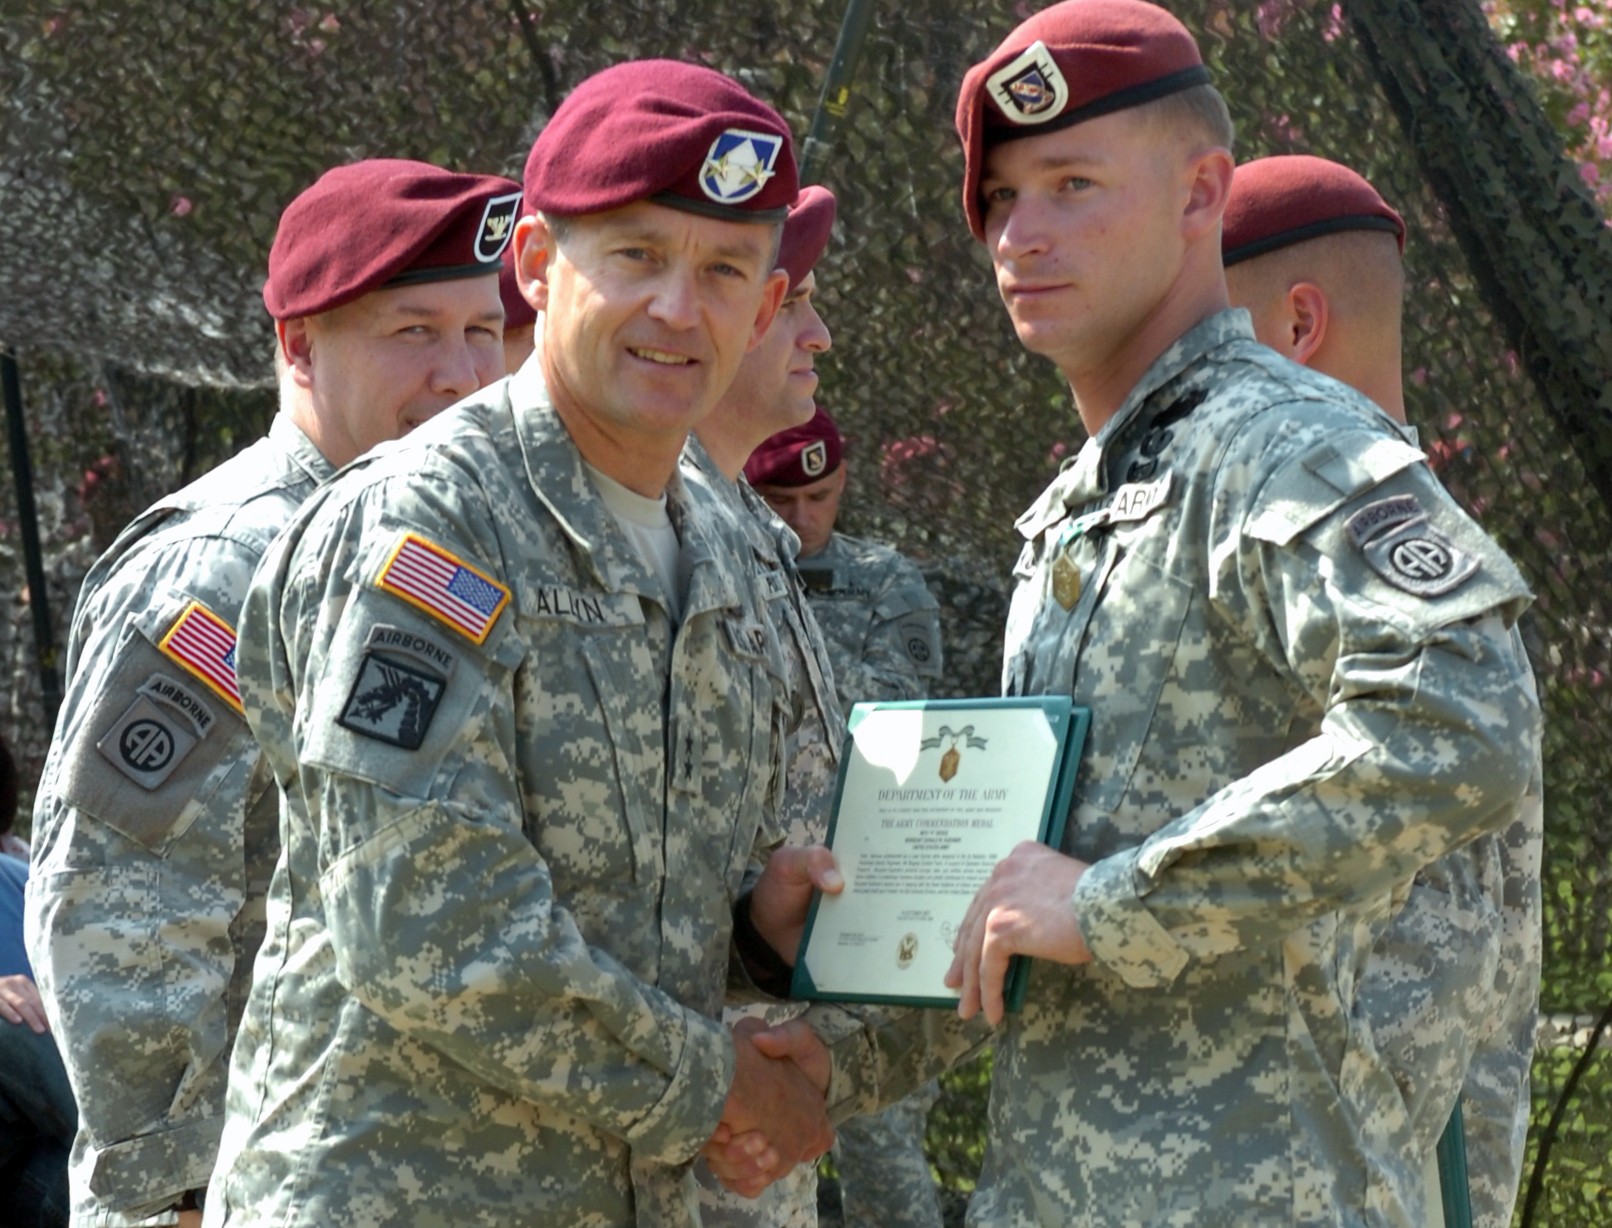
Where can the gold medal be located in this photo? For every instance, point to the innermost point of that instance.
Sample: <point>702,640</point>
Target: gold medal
<point>1065,581</point>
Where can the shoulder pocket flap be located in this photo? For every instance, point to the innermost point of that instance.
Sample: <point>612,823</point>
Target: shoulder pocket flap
<point>904,602</point>
<point>1317,482</point>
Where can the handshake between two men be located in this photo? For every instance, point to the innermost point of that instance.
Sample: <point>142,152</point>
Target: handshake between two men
<point>776,1115</point>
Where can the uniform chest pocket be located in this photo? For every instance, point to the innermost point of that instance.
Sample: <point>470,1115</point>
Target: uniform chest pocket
<point>1130,649</point>
<point>590,741</point>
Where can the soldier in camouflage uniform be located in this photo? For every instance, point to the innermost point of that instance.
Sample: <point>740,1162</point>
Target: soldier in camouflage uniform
<point>883,631</point>
<point>1299,659</point>
<point>527,713</point>
<point>155,829</point>
<point>1452,987</point>
<point>774,387</point>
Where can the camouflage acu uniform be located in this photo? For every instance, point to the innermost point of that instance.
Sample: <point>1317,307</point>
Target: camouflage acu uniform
<point>883,628</point>
<point>1452,991</point>
<point>1299,658</point>
<point>155,833</point>
<point>519,804</point>
<point>812,752</point>
<point>882,625</point>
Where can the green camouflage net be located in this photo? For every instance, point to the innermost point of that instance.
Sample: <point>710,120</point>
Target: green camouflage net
<point>146,152</point>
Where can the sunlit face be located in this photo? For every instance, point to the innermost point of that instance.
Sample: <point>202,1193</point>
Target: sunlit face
<point>376,368</point>
<point>646,313</point>
<point>810,510</point>
<point>777,381</point>
<point>1084,230</point>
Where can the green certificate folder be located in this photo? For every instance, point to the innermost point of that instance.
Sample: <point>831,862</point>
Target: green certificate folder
<point>931,795</point>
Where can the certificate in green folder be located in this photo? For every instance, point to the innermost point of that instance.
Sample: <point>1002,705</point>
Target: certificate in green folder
<point>931,795</point>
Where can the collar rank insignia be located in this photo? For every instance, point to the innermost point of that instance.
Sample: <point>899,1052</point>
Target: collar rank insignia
<point>738,165</point>
<point>204,644</point>
<point>444,586</point>
<point>1029,88</point>
<point>497,226</point>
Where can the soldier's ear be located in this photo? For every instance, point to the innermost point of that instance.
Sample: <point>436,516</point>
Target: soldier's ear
<point>1308,316</point>
<point>295,340</point>
<point>535,244</point>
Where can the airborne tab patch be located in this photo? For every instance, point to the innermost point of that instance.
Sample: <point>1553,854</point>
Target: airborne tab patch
<point>1405,549</point>
<point>444,586</point>
<point>204,644</point>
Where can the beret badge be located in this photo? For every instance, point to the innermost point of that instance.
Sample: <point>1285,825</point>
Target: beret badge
<point>497,225</point>
<point>738,165</point>
<point>1029,88</point>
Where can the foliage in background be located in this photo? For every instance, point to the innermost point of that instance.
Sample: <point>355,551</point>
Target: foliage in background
<point>1567,47</point>
<point>143,165</point>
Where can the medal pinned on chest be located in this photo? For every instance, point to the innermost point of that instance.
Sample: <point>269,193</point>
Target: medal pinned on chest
<point>1066,573</point>
<point>1065,581</point>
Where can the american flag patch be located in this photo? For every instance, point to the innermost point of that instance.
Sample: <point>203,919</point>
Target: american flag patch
<point>444,586</point>
<point>204,644</point>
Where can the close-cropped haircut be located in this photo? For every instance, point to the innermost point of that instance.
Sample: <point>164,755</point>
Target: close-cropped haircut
<point>1199,108</point>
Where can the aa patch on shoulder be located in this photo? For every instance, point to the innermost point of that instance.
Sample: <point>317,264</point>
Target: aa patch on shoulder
<point>155,733</point>
<point>1029,89</point>
<point>1404,548</point>
<point>204,644</point>
<point>916,638</point>
<point>497,226</point>
<point>392,700</point>
<point>738,165</point>
<point>444,586</point>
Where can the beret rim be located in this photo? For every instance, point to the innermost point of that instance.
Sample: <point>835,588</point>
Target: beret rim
<point>1310,230</point>
<point>1122,100</point>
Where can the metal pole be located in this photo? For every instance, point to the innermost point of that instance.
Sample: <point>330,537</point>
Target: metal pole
<point>28,522</point>
<point>836,94</point>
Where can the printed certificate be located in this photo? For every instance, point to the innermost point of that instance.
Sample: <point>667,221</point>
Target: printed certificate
<point>932,794</point>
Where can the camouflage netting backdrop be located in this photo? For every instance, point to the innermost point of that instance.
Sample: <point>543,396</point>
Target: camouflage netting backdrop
<point>148,150</point>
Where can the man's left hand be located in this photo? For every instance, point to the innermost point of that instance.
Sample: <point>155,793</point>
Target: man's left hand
<point>782,895</point>
<point>1024,908</point>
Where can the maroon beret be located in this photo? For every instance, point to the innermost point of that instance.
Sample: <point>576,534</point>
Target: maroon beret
<point>1071,62</point>
<point>518,313</point>
<point>1278,201</point>
<point>799,456</point>
<point>806,232</point>
<point>661,130</point>
<point>381,223</point>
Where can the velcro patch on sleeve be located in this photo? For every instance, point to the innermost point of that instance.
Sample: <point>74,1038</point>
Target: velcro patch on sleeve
<point>392,700</point>
<point>204,644</point>
<point>1407,550</point>
<point>444,586</point>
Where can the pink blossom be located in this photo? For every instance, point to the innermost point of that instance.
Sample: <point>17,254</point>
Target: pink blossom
<point>180,206</point>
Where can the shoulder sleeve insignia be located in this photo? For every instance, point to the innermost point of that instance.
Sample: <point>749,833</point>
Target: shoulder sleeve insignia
<point>444,586</point>
<point>204,644</point>
<point>1405,549</point>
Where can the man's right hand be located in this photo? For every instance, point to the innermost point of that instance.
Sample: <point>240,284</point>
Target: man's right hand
<point>774,1117</point>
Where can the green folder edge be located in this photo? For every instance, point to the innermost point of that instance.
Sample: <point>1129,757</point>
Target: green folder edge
<point>1060,711</point>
